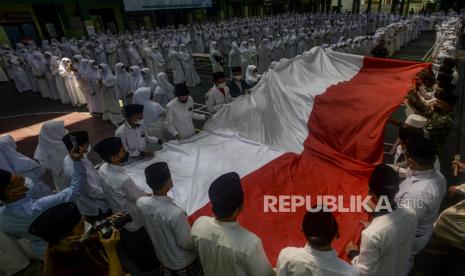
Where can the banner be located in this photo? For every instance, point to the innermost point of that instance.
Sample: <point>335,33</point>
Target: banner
<point>138,5</point>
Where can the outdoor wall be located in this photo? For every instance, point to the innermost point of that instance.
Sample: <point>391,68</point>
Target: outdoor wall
<point>17,8</point>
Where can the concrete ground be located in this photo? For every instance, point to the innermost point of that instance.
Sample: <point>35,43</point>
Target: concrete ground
<point>22,114</point>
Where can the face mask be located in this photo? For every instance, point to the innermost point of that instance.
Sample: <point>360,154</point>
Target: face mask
<point>139,122</point>
<point>222,85</point>
<point>28,183</point>
<point>238,78</point>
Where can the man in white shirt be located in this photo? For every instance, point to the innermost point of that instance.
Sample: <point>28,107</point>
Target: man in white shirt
<point>167,224</point>
<point>387,241</point>
<point>317,257</point>
<point>180,113</point>
<point>226,248</point>
<point>121,194</point>
<point>133,135</point>
<point>91,202</point>
<point>423,189</point>
<point>219,94</point>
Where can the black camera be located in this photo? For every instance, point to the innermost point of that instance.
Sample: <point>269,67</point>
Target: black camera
<point>104,226</point>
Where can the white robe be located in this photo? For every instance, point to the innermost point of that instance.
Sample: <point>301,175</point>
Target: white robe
<point>95,100</point>
<point>192,77</point>
<point>179,75</point>
<point>123,81</point>
<point>71,84</point>
<point>147,80</point>
<point>111,108</point>
<point>59,81</point>
<point>179,118</point>
<point>38,69</point>
<point>165,90</point>
<point>22,82</point>
<point>234,57</point>
<point>216,58</point>
<point>51,151</point>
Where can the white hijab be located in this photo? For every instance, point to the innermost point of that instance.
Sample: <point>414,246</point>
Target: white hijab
<point>51,151</point>
<point>244,47</point>
<point>82,67</point>
<point>135,77</point>
<point>107,74</point>
<point>251,77</point>
<point>12,160</point>
<point>64,65</point>
<point>39,62</point>
<point>142,95</point>
<point>123,79</point>
<point>165,84</point>
<point>214,49</point>
<point>91,73</point>
<point>146,79</point>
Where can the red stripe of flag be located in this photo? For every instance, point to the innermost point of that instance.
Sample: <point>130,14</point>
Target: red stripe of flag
<point>345,140</point>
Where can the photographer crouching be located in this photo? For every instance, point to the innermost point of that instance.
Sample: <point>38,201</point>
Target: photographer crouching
<point>74,246</point>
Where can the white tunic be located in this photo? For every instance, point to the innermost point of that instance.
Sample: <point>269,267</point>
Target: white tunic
<point>179,118</point>
<point>169,231</point>
<point>423,191</point>
<point>228,249</point>
<point>12,256</point>
<point>134,139</point>
<point>386,243</point>
<point>215,99</point>
<point>51,151</point>
<point>110,103</point>
<point>121,193</point>
<point>294,261</point>
<point>91,200</point>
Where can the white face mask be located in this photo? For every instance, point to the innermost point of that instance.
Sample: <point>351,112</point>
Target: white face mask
<point>222,85</point>
<point>89,149</point>
<point>139,122</point>
<point>28,182</point>
<point>238,78</point>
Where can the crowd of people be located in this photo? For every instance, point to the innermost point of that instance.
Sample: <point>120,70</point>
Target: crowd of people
<point>97,221</point>
<point>103,70</point>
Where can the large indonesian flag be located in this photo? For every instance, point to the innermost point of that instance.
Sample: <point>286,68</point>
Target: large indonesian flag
<point>314,125</point>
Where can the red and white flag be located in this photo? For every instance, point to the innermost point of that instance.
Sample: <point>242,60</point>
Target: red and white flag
<point>313,125</point>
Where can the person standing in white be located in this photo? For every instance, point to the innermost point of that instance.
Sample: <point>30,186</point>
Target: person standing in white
<point>121,194</point>
<point>167,224</point>
<point>91,202</point>
<point>180,113</point>
<point>133,135</point>
<point>317,257</point>
<point>219,94</point>
<point>386,242</point>
<point>226,248</point>
<point>50,151</point>
<point>423,189</point>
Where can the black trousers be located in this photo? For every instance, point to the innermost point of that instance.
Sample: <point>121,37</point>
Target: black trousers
<point>139,249</point>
